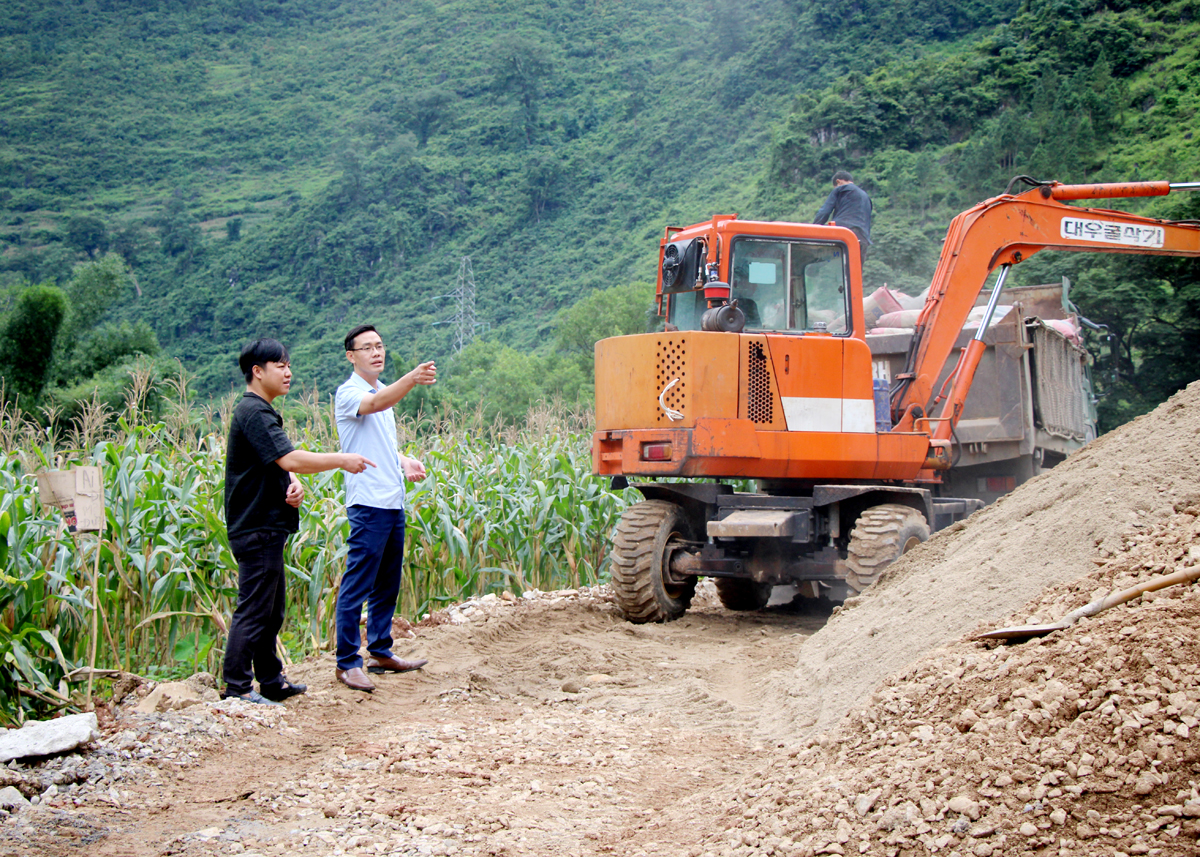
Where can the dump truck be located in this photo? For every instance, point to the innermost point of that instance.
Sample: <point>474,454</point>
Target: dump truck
<point>1032,402</point>
<point>851,432</point>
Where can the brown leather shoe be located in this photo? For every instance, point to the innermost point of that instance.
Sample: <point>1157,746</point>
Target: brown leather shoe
<point>392,665</point>
<point>355,679</point>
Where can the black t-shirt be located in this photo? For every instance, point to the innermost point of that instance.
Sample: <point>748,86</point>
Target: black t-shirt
<point>255,486</point>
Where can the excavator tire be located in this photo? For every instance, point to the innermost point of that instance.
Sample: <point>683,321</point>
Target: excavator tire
<point>880,536</point>
<point>638,554</point>
<point>740,593</point>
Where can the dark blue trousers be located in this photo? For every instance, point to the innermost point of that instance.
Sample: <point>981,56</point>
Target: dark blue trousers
<point>373,567</point>
<point>258,615</point>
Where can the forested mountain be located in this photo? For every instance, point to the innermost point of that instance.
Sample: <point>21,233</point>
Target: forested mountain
<point>232,168</point>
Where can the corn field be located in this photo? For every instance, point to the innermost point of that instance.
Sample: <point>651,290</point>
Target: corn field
<point>499,509</point>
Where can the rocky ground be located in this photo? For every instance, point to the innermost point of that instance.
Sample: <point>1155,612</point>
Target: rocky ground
<point>1079,742</point>
<point>548,725</point>
<point>542,726</point>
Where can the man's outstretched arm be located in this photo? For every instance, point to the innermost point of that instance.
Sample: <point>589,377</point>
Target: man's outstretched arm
<point>303,461</point>
<point>425,373</point>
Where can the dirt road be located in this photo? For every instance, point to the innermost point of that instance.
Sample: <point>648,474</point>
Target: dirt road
<point>548,727</point>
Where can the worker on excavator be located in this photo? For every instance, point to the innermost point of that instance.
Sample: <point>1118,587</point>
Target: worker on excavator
<point>848,205</point>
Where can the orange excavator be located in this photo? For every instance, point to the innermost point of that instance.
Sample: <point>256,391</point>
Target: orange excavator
<point>767,374</point>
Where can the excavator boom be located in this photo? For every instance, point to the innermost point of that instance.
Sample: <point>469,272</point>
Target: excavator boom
<point>1001,232</point>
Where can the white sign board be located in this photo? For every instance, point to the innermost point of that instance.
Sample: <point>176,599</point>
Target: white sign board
<point>1108,232</point>
<point>77,493</point>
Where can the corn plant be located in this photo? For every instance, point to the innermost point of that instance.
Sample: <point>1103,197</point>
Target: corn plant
<point>498,509</point>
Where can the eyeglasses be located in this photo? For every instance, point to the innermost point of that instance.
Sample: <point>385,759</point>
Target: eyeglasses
<point>371,349</point>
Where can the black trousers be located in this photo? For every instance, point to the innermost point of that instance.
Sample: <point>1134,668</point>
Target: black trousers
<point>863,244</point>
<point>258,615</point>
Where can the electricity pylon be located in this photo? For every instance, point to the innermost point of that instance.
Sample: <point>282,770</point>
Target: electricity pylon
<point>464,294</point>
<point>464,321</point>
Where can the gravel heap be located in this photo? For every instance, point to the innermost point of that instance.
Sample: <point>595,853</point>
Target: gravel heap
<point>1049,531</point>
<point>134,746</point>
<point>1084,741</point>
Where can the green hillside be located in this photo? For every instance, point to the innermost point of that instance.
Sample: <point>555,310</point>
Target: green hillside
<point>291,169</point>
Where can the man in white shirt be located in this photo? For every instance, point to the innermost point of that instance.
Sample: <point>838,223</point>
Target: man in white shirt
<point>375,507</point>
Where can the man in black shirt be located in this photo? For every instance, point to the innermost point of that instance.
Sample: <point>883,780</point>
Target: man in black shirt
<point>848,205</point>
<point>262,496</point>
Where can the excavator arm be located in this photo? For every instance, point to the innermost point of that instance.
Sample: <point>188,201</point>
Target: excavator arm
<point>999,233</point>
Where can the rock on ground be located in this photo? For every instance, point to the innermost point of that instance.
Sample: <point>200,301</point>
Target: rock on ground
<point>43,737</point>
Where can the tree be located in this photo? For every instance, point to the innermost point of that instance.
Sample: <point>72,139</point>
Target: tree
<point>110,344</point>
<point>424,112</point>
<point>27,343</point>
<point>1151,305</point>
<point>615,311</point>
<point>504,381</point>
<point>521,66</point>
<point>91,292</point>
<point>543,182</point>
<point>134,242</point>
<point>87,233</point>
<point>177,234</point>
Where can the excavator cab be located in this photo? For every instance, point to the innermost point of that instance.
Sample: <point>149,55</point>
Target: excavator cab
<point>782,286</point>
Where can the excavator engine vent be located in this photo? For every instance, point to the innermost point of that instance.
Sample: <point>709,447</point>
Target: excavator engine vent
<point>672,366</point>
<point>758,385</point>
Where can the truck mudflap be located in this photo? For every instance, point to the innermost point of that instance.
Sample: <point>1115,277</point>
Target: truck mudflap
<point>948,510</point>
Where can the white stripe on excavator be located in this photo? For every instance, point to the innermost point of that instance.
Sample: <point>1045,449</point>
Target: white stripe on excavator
<point>836,415</point>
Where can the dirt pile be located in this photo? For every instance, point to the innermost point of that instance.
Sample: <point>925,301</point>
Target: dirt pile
<point>1083,742</point>
<point>980,572</point>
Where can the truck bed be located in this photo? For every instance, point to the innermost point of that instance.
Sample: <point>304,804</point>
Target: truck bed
<point>1031,403</point>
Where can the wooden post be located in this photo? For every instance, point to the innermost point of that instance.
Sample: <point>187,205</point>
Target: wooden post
<point>79,495</point>
<point>87,704</point>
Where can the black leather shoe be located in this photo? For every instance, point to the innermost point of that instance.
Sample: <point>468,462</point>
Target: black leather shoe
<point>392,665</point>
<point>284,691</point>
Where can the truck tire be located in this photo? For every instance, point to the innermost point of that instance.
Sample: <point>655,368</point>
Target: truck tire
<point>741,593</point>
<point>880,536</point>
<point>639,553</point>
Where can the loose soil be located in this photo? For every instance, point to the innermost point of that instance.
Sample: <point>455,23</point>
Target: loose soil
<point>551,726</point>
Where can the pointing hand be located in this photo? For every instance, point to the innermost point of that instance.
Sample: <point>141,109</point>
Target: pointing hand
<point>425,373</point>
<point>357,463</point>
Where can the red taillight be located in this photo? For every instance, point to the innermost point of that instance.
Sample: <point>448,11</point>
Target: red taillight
<point>1001,484</point>
<point>656,452</point>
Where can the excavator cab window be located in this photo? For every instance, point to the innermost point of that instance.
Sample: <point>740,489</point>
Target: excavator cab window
<point>686,309</point>
<point>789,285</point>
<point>820,275</point>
